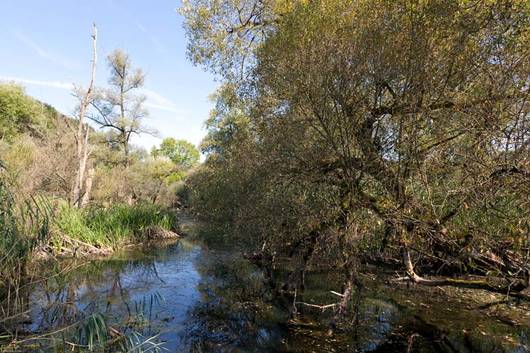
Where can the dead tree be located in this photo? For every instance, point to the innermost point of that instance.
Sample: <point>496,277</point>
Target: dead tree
<point>81,137</point>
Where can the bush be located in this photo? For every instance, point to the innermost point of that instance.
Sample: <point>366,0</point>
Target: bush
<point>20,113</point>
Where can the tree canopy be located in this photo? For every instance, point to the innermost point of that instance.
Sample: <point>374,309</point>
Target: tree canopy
<point>181,152</point>
<point>120,109</point>
<point>371,128</point>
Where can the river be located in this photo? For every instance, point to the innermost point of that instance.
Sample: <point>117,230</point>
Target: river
<point>184,297</point>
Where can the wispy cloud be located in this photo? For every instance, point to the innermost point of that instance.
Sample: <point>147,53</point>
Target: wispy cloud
<point>43,53</point>
<point>32,45</point>
<point>154,100</point>
<point>158,101</point>
<point>154,39</point>
<point>26,81</point>
<point>158,45</point>
<point>140,27</point>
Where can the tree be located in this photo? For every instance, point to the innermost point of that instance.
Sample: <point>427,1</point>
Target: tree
<point>403,125</point>
<point>83,130</point>
<point>395,118</point>
<point>181,152</point>
<point>224,34</point>
<point>119,109</point>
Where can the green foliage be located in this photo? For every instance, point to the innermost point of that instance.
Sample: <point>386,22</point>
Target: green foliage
<point>180,152</point>
<point>73,222</point>
<point>223,34</point>
<point>91,334</point>
<point>148,180</point>
<point>24,225</point>
<point>228,122</point>
<point>368,124</point>
<point>38,148</point>
<point>20,113</point>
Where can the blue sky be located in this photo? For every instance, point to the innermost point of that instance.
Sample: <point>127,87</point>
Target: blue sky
<point>46,46</point>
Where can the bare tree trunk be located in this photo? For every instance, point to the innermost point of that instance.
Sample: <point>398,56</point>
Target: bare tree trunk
<point>83,159</point>
<point>88,187</point>
<point>83,130</point>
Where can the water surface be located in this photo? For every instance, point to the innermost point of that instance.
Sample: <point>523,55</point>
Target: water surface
<point>189,298</point>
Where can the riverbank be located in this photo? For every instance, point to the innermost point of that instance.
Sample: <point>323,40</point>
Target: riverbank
<point>32,253</point>
<point>98,232</point>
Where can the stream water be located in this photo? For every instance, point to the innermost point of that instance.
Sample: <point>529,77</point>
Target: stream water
<point>188,298</point>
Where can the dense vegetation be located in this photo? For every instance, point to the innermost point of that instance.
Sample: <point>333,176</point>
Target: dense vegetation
<point>39,167</point>
<point>345,133</point>
<point>70,189</point>
<point>372,131</point>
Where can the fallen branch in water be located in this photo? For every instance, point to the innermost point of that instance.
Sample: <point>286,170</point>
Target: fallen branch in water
<point>336,293</point>
<point>513,289</point>
<point>321,307</point>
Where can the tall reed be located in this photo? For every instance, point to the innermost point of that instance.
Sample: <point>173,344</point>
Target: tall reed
<point>24,225</point>
<point>114,225</point>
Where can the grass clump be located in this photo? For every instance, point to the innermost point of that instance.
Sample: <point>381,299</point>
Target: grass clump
<point>112,226</point>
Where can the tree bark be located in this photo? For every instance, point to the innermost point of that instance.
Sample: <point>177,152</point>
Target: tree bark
<point>88,187</point>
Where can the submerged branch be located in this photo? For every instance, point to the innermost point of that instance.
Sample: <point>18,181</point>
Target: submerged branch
<point>513,289</point>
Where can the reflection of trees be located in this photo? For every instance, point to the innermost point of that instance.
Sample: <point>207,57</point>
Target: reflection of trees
<point>381,323</point>
<point>238,311</point>
<point>235,311</point>
<point>108,286</point>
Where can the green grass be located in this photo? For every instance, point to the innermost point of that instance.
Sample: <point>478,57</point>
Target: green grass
<point>112,226</point>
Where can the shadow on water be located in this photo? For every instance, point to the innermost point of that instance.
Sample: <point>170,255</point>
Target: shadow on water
<point>237,313</point>
<point>190,299</point>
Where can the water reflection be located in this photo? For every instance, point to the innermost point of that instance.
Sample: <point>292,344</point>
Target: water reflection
<point>194,299</point>
<point>242,315</point>
<point>147,291</point>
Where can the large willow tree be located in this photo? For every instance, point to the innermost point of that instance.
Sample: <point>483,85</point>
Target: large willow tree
<point>372,127</point>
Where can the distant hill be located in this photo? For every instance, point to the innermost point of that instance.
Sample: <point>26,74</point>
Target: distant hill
<point>21,113</point>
